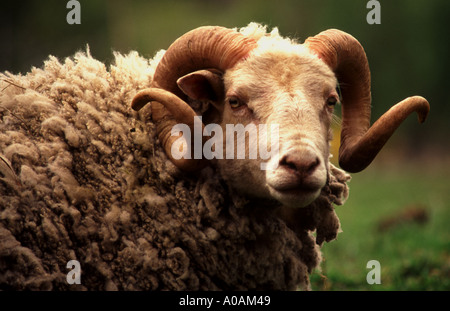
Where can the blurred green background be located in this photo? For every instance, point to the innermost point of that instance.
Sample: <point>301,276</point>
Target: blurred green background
<point>408,54</point>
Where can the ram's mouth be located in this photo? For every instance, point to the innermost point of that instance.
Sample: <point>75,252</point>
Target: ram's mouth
<point>295,196</point>
<point>296,191</point>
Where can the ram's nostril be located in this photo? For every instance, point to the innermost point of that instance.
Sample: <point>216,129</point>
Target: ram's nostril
<point>288,162</point>
<point>311,166</point>
<point>303,163</point>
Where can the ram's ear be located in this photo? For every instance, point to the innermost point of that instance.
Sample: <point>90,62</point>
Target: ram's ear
<point>203,85</point>
<point>207,87</point>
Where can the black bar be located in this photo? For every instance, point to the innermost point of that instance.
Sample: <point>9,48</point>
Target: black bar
<point>169,301</point>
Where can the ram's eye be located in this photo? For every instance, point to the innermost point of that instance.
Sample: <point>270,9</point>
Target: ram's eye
<point>235,102</point>
<point>332,101</point>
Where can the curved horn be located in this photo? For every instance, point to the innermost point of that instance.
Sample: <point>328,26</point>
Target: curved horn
<point>201,48</point>
<point>360,142</point>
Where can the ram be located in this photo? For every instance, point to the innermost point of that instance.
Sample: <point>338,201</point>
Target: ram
<point>85,177</point>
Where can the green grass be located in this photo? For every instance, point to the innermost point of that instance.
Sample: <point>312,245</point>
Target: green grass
<point>413,256</point>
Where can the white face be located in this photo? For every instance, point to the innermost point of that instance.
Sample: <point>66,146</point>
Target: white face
<point>297,92</point>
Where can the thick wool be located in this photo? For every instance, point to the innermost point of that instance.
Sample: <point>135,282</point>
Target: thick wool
<point>83,177</point>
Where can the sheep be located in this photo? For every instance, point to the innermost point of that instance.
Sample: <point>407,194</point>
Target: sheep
<point>85,177</point>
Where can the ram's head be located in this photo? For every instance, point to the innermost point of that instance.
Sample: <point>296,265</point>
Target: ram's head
<point>269,81</point>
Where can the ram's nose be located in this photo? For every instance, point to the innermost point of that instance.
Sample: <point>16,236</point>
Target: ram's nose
<point>299,178</point>
<point>302,164</point>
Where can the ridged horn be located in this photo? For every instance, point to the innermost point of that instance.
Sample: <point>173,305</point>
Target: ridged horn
<point>204,47</point>
<point>360,142</point>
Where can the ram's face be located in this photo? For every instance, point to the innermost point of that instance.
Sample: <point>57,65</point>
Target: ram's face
<point>295,94</point>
